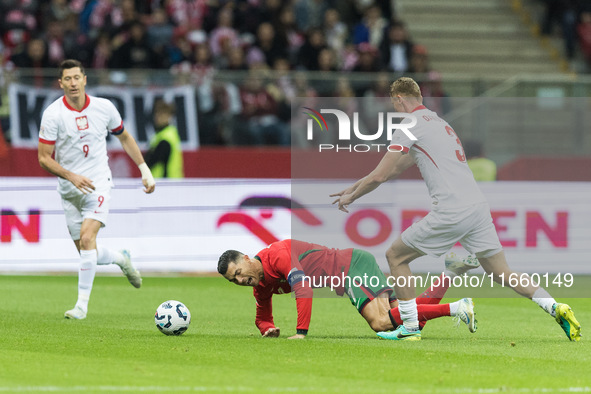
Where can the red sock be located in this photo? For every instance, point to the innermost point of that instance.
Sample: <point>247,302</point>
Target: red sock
<point>425,311</point>
<point>435,293</point>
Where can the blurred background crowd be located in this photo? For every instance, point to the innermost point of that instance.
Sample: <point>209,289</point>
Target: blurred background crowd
<point>285,48</point>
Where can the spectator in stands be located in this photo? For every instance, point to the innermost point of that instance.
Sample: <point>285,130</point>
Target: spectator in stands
<point>54,38</point>
<point>160,33</point>
<point>58,10</point>
<point>260,124</point>
<point>371,27</point>
<point>287,28</point>
<point>17,19</point>
<point>187,14</point>
<point>584,31</point>
<point>180,51</point>
<point>102,52</point>
<point>335,31</point>
<point>224,35</point>
<point>327,60</point>
<point>34,55</point>
<point>308,55</point>
<point>165,157</point>
<point>309,14</point>
<point>136,51</point>
<point>483,169</point>
<point>236,61</point>
<point>396,49</point>
<point>419,60</point>
<point>368,58</point>
<point>565,13</point>
<point>376,99</point>
<point>106,15</point>
<point>272,46</point>
<point>434,97</point>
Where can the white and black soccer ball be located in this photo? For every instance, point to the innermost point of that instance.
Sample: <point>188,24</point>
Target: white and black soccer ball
<point>172,318</point>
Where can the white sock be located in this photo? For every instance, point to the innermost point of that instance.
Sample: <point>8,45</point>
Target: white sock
<point>409,314</point>
<point>108,256</point>
<point>453,308</point>
<point>544,300</point>
<point>86,273</point>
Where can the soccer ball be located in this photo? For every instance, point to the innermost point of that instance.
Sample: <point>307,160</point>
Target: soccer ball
<point>172,318</point>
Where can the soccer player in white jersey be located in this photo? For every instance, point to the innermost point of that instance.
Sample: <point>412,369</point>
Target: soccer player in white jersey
<point>76,127</point>
<point>459,210</point>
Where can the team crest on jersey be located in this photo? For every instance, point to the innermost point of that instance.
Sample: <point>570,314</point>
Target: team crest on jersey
<point>82,123</point>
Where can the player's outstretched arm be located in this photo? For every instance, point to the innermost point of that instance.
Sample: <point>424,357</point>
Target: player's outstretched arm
<point>130,146</point>
<point>46,162</point>
<point>391,166</point>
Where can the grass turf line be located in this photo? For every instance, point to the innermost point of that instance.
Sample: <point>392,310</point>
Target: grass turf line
<point>118,348</point>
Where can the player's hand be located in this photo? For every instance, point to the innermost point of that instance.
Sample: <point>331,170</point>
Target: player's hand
<point>344,202</point>
<point>149,187</point>
<point>348,190</point>
<point>271,333</point>
<point>297,336</point>
<point>82,183</point>
<point>147,178</point>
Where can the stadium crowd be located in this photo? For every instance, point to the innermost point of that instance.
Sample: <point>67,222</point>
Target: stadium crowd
<point>350,35</point>
<point>197,39</point>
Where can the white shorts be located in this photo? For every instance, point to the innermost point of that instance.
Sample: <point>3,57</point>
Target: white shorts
<point>438,232</point>
<point>86,206</point>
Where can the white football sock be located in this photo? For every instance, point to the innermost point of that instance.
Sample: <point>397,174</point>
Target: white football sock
<point>86,273</point>
<point>409,314</point>
<point>453,308</point>
<point>108,256</point>
<point>544,300</point>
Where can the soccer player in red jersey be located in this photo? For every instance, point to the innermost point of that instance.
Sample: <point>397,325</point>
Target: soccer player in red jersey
<point>297,266</point>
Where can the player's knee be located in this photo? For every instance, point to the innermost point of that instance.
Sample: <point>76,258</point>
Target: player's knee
<point>86,241</point>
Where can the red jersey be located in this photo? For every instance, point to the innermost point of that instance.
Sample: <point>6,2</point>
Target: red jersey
<point>285,263</point>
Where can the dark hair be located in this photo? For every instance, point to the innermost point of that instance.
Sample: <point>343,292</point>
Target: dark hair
<point>228,257</point>
<point>70,63</point>
<point>162,106</point>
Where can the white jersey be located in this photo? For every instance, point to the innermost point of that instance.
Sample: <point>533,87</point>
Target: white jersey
<point>80,139</point>
<point>440,157</point>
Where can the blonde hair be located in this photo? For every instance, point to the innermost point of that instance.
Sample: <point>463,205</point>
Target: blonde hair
<point>405,86</point>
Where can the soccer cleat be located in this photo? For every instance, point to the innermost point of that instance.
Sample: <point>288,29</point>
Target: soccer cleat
<point>77,313</point>
<point>132,274</point>
<point>565,317</point>
<point>459,266</point>
<point>401,334</point>
<point>466,314</point>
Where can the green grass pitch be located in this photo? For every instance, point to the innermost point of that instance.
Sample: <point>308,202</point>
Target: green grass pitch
<point>118,348</point>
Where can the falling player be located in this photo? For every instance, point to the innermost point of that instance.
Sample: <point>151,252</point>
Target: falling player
<point>460,212</point>
<point>76,127</point>
<point>297,266</point>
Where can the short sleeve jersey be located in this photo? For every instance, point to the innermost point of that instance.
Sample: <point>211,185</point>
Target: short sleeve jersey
<point>80,139</point>
<point>440,157</point>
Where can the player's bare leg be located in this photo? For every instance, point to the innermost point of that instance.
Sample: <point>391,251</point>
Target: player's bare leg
<point>376,313</point>
<point>563,314</point>
<point>399,256</point>
<point>87,269</point>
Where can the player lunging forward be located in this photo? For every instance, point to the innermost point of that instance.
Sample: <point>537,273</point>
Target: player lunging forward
<point>285,266</point>
<point>76,127</point>
<point>459,213</point>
